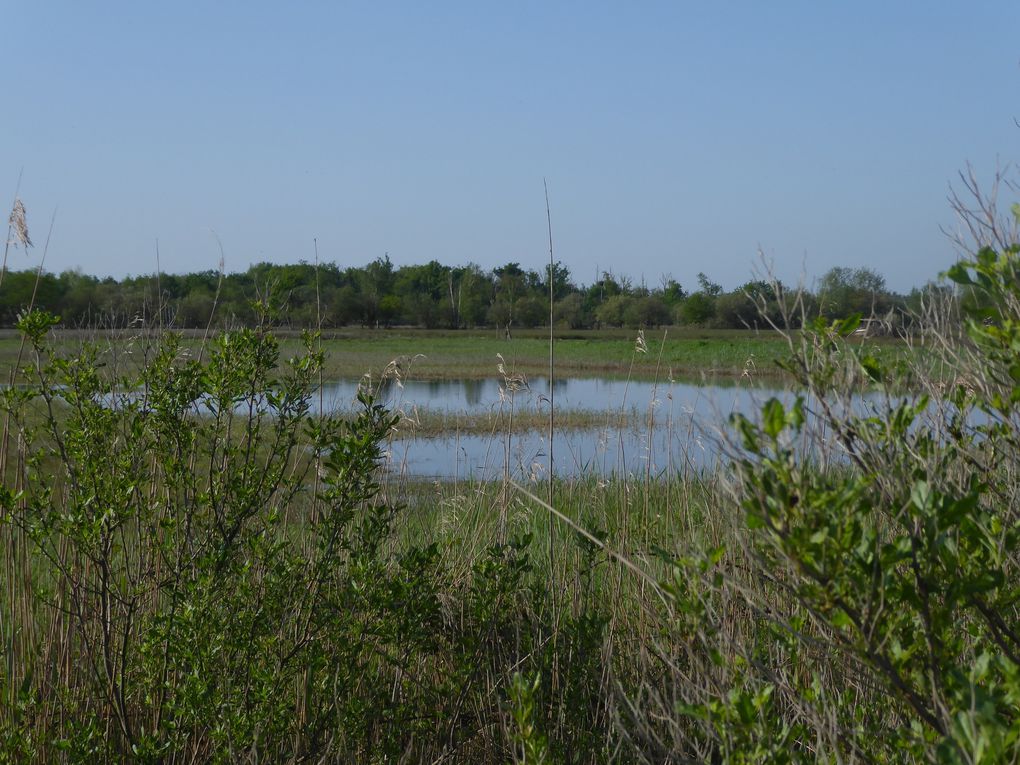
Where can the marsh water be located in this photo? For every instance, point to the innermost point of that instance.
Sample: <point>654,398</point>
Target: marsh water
<point>605,427</point>
<point>645,429</point>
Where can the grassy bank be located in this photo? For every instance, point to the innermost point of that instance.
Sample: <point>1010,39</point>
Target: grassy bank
<point>680,352</point>
<point>495,423</point>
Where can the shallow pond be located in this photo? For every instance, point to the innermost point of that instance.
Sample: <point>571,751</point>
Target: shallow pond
<point>619,427</point>
<point>576,393</point>
<point>672,427</point>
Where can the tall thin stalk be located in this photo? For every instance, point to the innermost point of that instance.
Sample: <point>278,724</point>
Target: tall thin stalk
<point>16,545</point>
<point>22,235</point>
<point>216,299</point>
<point>159,293</point>
<point>10,229</point>
<point>318,348</point>
<point>552,362</point>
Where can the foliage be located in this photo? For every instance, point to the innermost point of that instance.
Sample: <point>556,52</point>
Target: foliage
<point>532,747</point>
<point>199,569</point>
<point>888,567</point>
<point>432,295</point>
<point>844,291</point>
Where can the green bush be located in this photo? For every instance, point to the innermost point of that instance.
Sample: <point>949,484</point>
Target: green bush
<point>199,569</point>
<point>874,587</point>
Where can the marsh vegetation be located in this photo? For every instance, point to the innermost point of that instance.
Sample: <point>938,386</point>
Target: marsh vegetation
<point>204,562</point>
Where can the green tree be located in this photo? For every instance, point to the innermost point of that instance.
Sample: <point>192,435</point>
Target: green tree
<point>562,284</point>
<point>698,309</point>
<point>648,311</point>
<point>569,312</point>
<point>613,312</point>
<point>845,291</point>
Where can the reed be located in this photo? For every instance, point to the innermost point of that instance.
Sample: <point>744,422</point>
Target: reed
<point>190,575</point>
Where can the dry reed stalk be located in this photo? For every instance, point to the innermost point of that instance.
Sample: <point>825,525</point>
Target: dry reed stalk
<point>623,560</point>
<point>19,225</point>
<point>14,571</point>
<point>552,434</point>
<point>23,235</point>
<point>318,347</point>
<point>512,382</point>
<point>645,516</point>
<point>552,353</point>
<point>10,227</point>
<point>216,298</point>
<point>159,293</point>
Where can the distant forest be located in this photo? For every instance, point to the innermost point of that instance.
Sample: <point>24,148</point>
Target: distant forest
<point>431,296</point>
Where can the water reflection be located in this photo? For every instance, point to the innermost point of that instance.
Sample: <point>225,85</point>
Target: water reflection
<point>669,427</point>
<point>473,392</point>
<point>598,451</point>
<point>594,394</point>
<point>677,426</point>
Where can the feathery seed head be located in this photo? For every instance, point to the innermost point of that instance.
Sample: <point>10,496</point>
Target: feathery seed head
<point>19,227</point>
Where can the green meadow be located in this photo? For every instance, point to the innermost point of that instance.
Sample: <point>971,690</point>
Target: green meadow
<point>680,353</point>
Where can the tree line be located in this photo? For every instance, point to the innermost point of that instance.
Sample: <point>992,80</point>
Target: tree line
<point>433,295</point>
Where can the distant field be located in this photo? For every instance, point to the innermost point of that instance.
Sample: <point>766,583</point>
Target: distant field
<point>680,352</point>
<point>590,353</point>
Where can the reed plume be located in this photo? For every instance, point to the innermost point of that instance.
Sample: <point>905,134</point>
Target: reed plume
<point>19,226</point>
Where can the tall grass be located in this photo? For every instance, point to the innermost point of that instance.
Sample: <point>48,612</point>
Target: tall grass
<point>192,575</point>
<point>196,568</point>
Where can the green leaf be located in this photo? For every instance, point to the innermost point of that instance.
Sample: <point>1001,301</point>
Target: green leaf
<point>755,521</point>
<point>872,368</point>
<point>748,433</point>
<point>840,619</point>
<point>960,274</point>
<point>773,418</point>
<point>920,494</point>
<point>745,708</point>
<point>848,325</point>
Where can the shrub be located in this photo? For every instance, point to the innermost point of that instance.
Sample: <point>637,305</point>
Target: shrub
<point>198,568</point>
<point>868,608</point>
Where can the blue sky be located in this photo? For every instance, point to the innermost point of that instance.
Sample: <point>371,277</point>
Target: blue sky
<point>676,137</point>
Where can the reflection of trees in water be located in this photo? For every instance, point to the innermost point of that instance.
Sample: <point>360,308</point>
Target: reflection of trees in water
<point>385,388</point>
<point>473,391</point>
<point>588,393</point>
<point>541,384</point>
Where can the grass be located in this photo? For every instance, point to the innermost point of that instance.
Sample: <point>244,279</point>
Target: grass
<point>248,588</point>
<point>397,622</point>
<point>681,510</point>
<point>578,354</point>
<point>420,607</point>
<point>679,352</point>
<point>428,424</point>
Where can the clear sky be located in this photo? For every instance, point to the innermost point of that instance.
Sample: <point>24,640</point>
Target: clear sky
<point>676,137</point>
